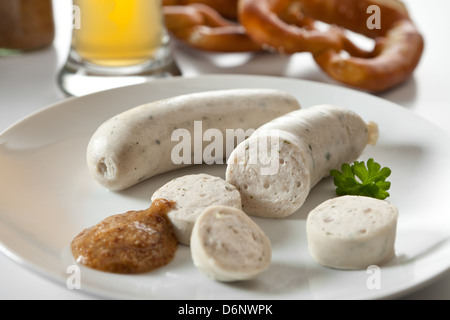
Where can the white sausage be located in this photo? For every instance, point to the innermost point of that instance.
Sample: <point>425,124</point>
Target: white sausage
<point>226,245</point>
<point>304,146</point>
<point>191,195</point>
<point>136,144</point>
<point>352,232</point>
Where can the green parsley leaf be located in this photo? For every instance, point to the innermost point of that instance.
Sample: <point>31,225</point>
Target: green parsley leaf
<point>358,180</point>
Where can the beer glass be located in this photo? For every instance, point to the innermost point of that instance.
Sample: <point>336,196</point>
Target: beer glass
<point>116,43</point>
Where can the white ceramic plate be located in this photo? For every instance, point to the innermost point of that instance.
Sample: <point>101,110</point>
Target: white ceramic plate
<point>47,196</point>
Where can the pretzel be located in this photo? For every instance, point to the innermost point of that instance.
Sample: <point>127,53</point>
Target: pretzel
<point>226,8</point>
<point>398,44</point>
<point>269,22</point>
<point>202,27</point>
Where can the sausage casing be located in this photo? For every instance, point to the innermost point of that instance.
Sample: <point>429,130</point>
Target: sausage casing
<point>304,145</point>
<point>137,144</point>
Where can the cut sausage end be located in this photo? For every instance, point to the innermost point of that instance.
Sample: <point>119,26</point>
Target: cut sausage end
<point>192,194</point>
<point>352,232</point>
<point>226,245</point>
<point>274,193</point>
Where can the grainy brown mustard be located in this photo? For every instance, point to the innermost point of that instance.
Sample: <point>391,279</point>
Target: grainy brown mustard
<point>129,243</point>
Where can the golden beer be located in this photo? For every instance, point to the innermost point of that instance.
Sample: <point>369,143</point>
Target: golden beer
<point>118,33</point>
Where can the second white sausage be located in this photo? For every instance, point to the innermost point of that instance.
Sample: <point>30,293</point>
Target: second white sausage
<point>300,148</point>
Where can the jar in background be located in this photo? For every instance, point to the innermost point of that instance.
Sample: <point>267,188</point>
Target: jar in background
<point>116,43</point>
<point>25,25</point>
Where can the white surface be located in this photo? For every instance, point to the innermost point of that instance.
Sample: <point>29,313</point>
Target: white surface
<point>28,84</point>
<point>43,161</point>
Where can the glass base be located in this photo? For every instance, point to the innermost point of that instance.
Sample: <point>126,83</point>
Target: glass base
<point>79,78</point>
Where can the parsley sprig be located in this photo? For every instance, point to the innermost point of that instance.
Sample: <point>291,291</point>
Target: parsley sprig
<point>357,179</point>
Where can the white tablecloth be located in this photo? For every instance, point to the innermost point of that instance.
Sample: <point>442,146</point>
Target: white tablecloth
<point>28,83</point>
